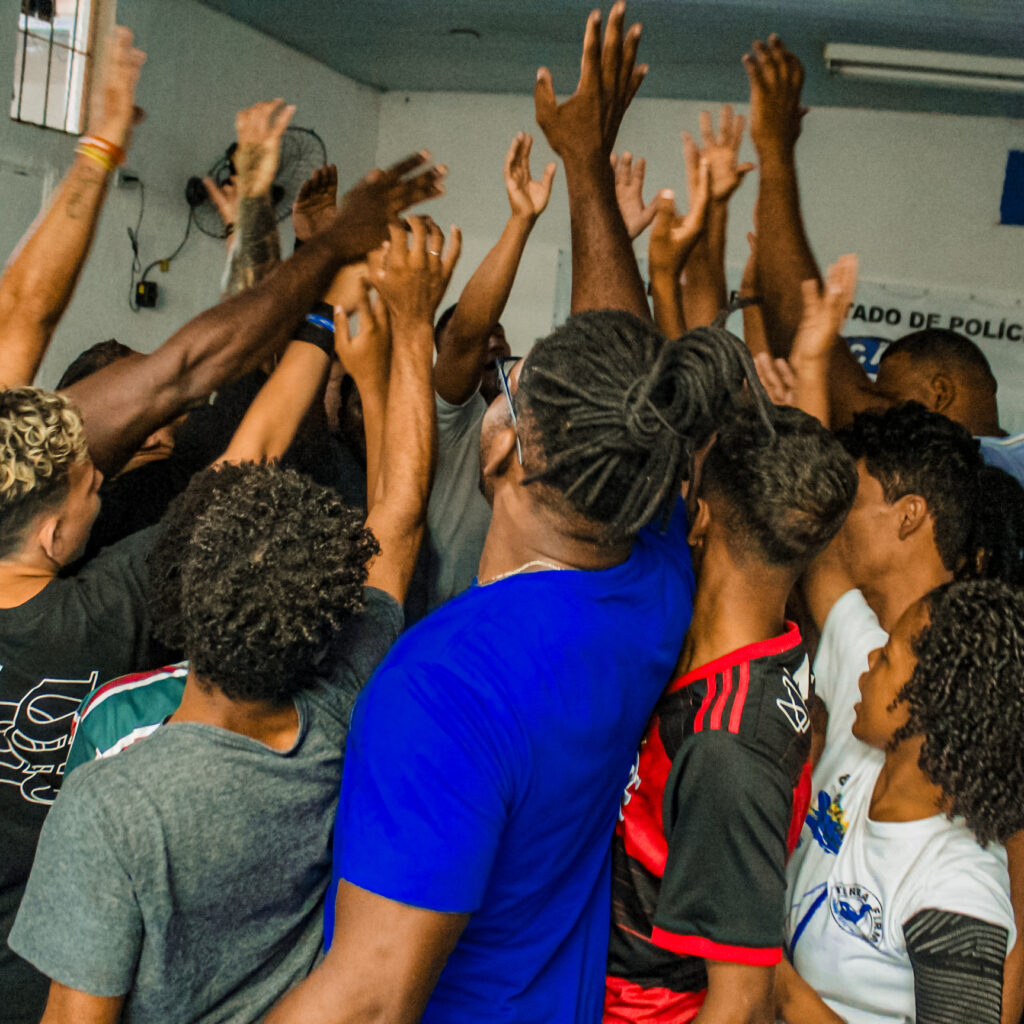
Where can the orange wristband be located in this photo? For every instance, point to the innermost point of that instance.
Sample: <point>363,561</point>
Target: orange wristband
<point>116,153</point>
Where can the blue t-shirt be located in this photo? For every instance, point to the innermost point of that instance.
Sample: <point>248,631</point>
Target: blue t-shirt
<point>486,762</point>
<point>1005,452</point>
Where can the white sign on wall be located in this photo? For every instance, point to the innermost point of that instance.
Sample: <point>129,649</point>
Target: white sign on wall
<point>882,313</point>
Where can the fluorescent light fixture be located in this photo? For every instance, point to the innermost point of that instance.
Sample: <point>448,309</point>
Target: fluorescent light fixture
<point>926,67</point>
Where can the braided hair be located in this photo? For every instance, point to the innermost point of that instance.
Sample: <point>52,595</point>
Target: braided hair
<point>616,413</point>
<point>965,698</point>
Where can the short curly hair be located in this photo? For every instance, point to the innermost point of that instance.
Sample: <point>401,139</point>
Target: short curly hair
<point>41,438</point>
<point>967,699</point>
<point>254,574</point>
<point>785,494</point>
<point>911,450</point>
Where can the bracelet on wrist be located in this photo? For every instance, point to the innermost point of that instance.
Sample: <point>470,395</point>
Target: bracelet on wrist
<point>317,328</point>
<point>111,149</point>
<point>98,156</point>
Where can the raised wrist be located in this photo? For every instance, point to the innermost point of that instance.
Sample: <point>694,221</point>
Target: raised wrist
<point>522,221</point>
<point>775,156</point>
<point>119,135</point>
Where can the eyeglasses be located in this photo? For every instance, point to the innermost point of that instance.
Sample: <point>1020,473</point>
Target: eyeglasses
<point>504,364</point>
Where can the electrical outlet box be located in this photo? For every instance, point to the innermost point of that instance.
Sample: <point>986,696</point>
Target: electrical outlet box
<point>145,294</point>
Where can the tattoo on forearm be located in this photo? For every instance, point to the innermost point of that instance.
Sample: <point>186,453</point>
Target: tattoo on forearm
<point>85,190</point>
<point>257,245</point>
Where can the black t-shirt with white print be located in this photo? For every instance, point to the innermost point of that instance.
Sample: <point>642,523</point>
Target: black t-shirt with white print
<point>78,631</point>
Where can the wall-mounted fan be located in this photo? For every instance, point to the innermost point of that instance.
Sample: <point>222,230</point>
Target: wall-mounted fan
<point>302,152</point>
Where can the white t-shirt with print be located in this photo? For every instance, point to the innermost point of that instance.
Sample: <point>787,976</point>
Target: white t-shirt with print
<point>854,882</point>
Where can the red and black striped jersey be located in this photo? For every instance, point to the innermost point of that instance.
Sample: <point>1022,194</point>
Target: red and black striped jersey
<point>700,847</point>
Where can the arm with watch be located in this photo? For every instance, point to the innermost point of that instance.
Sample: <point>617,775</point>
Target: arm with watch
<point>40,278</point>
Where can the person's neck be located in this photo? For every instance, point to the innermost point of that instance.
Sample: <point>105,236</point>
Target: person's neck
<point>736,605</point>
<point>902,791</point>
<point>980,417</point>
<point>22,578</point>
<point>524,532</point>
<point>903,583</point>
<point>276,726</point>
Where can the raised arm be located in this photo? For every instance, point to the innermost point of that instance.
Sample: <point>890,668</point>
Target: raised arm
<point>272,421</point>
<point>705,295</point>
<point>582,131</point>
<point>464,338</point>
<point>673,238</point>
<point>412,281</point>
<point>40,277</point>
<point>257,245</point>
<point>125,402</point>
<point>366,357</point>
<point>776,78</point>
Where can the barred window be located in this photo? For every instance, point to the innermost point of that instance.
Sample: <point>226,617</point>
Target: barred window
<point>51,68</point>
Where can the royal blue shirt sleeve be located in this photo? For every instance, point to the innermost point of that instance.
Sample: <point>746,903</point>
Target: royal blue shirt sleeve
<point>430,775</point>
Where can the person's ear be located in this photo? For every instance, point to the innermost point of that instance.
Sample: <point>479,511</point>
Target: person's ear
<point>913,514</point>
<point>501,453</point>
<point>699,527</point>
<point>943,392</point>
<point>48,537</point>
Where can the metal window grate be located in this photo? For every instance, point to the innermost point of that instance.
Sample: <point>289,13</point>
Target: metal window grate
<point>51,66</point>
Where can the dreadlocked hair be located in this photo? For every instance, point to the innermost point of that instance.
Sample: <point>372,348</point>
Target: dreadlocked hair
<point>997,537</point>
<point>255,571</point>
<point>966,699</point>
<point>616,413</point>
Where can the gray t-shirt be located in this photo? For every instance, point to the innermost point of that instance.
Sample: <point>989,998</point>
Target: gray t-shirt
<point>458,515</point>
<point>189,871</point>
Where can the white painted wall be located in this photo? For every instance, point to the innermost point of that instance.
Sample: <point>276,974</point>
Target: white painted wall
<point>201,68</point>
<point>915,195</point>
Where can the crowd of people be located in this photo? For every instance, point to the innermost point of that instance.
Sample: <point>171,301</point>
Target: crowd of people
<point>356,669</point>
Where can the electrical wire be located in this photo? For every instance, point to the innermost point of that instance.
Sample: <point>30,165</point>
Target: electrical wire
<point>133,238</point>
<point>136,262</point>
<point>169,259</point>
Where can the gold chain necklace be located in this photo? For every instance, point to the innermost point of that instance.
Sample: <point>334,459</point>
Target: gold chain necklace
<point>535,564</point>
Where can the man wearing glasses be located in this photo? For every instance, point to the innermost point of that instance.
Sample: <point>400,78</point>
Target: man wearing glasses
<point>486,758</point>
<point>469,338</point>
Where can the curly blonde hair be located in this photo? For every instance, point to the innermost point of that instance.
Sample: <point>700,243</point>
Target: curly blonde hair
<point>41,438</point>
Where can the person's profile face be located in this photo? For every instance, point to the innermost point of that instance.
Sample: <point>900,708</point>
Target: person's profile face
<point>879,713</point>
<point>494,432</point>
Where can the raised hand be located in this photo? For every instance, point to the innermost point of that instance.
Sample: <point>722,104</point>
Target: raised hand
<point>629,192</point>
<point>259,129</point>
<point>225,198</point>
<point>416,270</point>
<point>825,310</point>
<point>528,198</point>
<point>721,152</point>
<point>778,379</point>
<point>586,124</point>
<point>750,282</point>
<point>113,112</point>
<point>365,354</point>
<point>368,209</point>
<point>776,78</point>
<point>673,236</point>
<point>315,204</point>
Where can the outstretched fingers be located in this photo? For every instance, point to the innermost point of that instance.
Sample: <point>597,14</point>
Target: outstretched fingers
<point>409,191</point>
<point>590,61</point>
<point>452,253</point>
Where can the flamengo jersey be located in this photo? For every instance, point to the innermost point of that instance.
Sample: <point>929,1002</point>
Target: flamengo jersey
<point>700,847</point>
